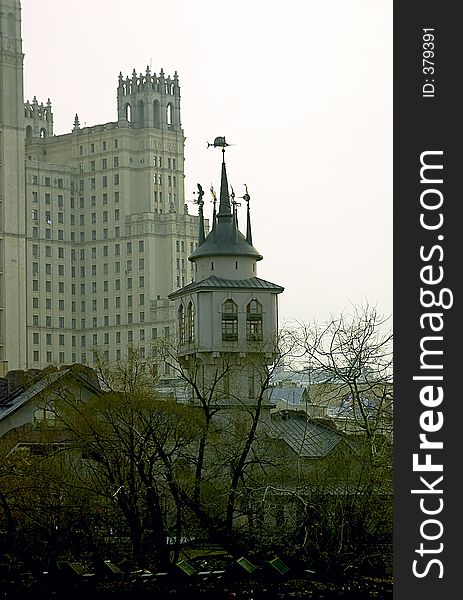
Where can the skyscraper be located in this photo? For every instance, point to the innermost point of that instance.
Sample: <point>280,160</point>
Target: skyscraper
<point>94,229</point>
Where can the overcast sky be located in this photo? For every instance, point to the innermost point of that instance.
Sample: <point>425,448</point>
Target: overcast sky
<point>303,88</point>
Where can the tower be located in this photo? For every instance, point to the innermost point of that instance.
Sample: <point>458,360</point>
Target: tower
<point>227,319</point>
<point>12,194</point>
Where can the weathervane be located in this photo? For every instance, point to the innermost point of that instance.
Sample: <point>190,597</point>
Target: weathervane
<point>246,196</point>
<point>199,200</point>
<point>219,142</point>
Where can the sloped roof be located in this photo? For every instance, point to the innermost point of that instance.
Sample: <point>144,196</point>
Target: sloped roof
<point>291,394</point>
<point>41,382</point>
<point>306,437</point>
<point>213,282</point>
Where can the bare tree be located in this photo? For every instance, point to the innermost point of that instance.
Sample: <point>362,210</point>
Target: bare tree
<point>352,355</point>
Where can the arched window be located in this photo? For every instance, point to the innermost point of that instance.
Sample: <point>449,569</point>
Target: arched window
<point>141,114</point>
<point>181,324</point>
<point>191,322</point>
<point>157,114</point>
<point>28,132</point>
<point>229,321</point>
<point>43,133</point>
<point>169,114</point>
<point>254,321</point>
<point>128,112</point>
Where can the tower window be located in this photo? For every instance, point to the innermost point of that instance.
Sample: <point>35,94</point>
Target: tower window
<point>254,321</point>
<point>181,324</point>
<point>229,321</point>
<point>191,322</point>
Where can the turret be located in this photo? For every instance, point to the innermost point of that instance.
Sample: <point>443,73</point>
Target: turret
<point>228,317</point>
<point>148,100</point>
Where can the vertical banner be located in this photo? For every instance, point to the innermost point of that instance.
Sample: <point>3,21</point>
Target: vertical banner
<point>428,411</point>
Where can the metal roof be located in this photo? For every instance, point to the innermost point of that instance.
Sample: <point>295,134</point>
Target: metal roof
<point>305,436</point>
<point>213,282</point>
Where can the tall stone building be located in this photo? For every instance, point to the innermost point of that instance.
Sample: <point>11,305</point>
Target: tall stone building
<point>94,229</point>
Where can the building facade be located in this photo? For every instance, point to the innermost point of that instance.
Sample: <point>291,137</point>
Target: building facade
<point>94,229</point>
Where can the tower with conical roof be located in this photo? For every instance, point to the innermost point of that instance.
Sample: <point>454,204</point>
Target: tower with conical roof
<point>227,319</point>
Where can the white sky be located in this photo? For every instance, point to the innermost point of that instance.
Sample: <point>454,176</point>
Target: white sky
<point>303,88</point>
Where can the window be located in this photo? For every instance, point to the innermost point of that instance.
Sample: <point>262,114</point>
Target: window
<point>105,216</point>
<point>141,281</point>
<point>116,179</point>
<point>60,234</point>
<point>105,181</point>
<point>116,161</point>
<point>116,196</point>
<point>181,324</point>
<point>61,304</point>
<point>35,302</point>
<point>61,287</point>
<point>117,249</point>
<point>129,247</point>
<point>104,162</point>
<point>35,338</point>
<point>229,321</point>
<point>47,250</point>
<point>191,322</point>
<point>254,321</point>
<point>105,250</point>
<point>141,246</point>
<point>48,286</point>
<point>141,263</point>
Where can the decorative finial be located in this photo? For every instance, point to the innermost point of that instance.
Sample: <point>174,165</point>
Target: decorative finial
<point>200,202</point>
<point>76,122</point>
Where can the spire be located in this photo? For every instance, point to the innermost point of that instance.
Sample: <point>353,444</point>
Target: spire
<point>214,212</point>
<point>224,205</point>
<point>200,202</point>
<point>248,224</point>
